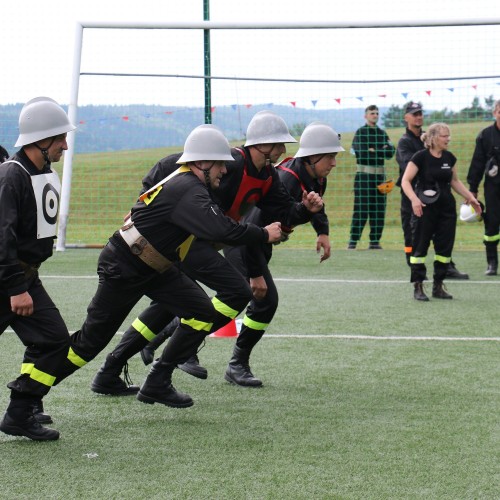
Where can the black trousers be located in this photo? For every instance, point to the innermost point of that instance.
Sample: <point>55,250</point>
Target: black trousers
<point>369,206</point>
<point>45,337</point>
<point>121,286</point>
<point>206,265</point>
<point>438,224</point>
<point>259,313</point>
<point>406,214</point>
<point>492,218</point>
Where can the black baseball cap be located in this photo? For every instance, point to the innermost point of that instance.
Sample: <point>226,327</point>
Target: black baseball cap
<point>413,107</point>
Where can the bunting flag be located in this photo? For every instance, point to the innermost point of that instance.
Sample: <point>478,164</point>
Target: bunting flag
<point>341,101</point>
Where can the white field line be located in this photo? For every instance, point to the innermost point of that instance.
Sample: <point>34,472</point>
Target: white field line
<point>389,337</point>
<point>310,280</point>
<point>345,337</point>
<point>360,337</point>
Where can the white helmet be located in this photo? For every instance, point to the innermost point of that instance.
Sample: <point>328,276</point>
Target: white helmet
<point>318,138</point>
<point>206,142</point>
<point>468,214</point>
<point>267,127</point>
<point>40,119</point>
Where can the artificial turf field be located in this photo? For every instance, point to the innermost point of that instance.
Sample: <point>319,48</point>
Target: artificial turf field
<point>368,394</point>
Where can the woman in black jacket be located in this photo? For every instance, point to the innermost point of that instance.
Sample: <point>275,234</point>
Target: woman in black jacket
<point>434,207</point>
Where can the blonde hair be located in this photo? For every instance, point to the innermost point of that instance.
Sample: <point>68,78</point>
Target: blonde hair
<point>429,138</point>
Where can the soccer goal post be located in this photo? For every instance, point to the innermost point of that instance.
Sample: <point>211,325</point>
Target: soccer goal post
<point>327,71</point>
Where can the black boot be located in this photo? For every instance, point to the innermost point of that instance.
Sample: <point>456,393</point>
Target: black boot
<point>238,371</point>
<point>492,269</point>
<point>492,259</point>
<point>158,387</point>
<point>193,367</point>
<point>108,381</point>
<point>40,416</point>
<point>439,291</point>
<point>148,353</point>
<point>453,273</point>
<point>419,293</point>
<point>19,421</point>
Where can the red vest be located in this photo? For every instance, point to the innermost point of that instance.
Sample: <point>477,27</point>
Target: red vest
<point>250,192</point>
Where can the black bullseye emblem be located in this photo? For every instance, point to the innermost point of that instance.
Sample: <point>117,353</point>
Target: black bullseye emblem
<point>250,200</point>
<point>50,203</point>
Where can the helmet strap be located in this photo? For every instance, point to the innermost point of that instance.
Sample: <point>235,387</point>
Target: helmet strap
<point>206,173</point>
<point>45,151</point>
<point>267,156</point>
<point>313,165</point>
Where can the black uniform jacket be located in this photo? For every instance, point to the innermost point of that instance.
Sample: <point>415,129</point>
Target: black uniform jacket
<point>486,142</point>
<point>182,207</point>
<point>277,202</point>
<point>18,224</point>
<point>408,145</point>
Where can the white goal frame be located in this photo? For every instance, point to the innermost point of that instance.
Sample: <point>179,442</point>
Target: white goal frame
<point>209,25</point>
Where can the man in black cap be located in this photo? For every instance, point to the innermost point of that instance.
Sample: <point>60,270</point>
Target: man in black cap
<point>408,145</point>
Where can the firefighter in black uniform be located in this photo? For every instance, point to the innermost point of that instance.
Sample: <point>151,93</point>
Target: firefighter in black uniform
<point>138,260</point>
<point>306,172</point>
<point>408,145</point>
<point>251,180</point>
<point>434,207</point>
<point>29,199</point>
<point>486,162</point>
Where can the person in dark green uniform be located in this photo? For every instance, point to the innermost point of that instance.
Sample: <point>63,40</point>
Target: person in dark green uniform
<point>372,147</point>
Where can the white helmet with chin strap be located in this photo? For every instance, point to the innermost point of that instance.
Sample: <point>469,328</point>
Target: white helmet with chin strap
<point>42,118</point>
<point>206,143</point>
<point>267,127</point>
<point>318,138</point>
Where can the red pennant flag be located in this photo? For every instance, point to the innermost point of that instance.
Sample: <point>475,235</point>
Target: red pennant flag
<point>248,105</point>
<point>168,112</point>
<point>81,122</point>
<point>338,100</point>
<point>212,109</point>
<point>382,95</point>
<point>125,118</point>
<point>428,92</point>
<point>293,103</point>
<point>474,87</point>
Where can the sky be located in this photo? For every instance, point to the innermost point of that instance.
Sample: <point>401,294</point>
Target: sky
<point>38,38</point>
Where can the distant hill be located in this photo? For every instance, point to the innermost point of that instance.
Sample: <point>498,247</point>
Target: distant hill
<point>113,128</point>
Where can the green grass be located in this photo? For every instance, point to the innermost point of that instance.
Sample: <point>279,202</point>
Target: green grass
<point>339,417</point>
<point>106,185</point>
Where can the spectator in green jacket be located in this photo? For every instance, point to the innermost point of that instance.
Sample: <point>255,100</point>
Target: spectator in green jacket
<point>372,147</point>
